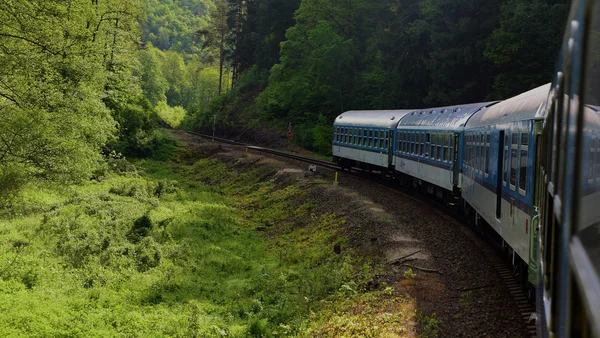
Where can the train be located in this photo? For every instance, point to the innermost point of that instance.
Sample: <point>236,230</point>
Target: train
<point>527,167</point>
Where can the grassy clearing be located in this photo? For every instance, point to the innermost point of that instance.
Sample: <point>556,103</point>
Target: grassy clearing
<point>205,249</point>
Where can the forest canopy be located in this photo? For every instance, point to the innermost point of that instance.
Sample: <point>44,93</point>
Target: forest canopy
<point>307,61</point>
<point>80,80</point>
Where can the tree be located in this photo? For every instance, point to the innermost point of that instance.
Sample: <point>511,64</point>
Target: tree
<point>216,35</point>
<point>60,63</point>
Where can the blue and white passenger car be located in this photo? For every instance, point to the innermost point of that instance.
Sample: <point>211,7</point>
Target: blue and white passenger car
<point>364,139</point>
<point>499,167</point>
<point>429,147</point>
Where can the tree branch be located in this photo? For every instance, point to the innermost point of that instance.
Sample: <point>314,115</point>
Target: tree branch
<point>44,47</point>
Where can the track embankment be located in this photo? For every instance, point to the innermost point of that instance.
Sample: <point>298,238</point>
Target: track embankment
<point>422,253</point>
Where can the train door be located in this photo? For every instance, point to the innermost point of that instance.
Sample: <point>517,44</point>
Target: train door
<point>389,144</point>
<point>499,171</point>
<point>535,220</point>
<point>455,148</point>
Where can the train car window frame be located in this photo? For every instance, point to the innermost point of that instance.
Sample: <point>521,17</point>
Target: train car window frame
<point>403,144</point>
<point>474,152</point>
<point>514,155</point>
<point>446,147</point>
<point>386,139</point>
<point>433,146</point>
<point>506,159</point>
<point>401,141</point>
<point>439,147</point>
<point>488,139</point>
<point>360,137</point>
<point>414,143</point>
<point>471,156</point>
<point>523,167</point>
<point>466,152</point>
<point>451,148</point>
<point>427,144</point>
<point>422,144</point>
<point>478,153</point>
<point>591,160</point>
<point>482,153</point>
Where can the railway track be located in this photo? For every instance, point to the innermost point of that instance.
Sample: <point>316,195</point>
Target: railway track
<point>493,255</point>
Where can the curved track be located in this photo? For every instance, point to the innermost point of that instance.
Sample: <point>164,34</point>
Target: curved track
<point>492,254</point>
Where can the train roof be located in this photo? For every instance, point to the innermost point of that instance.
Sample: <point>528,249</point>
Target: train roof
<point>526,106</point>
<point>450,116</point>
<point>370,118</point>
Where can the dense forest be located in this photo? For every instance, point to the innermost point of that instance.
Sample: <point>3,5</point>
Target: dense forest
<point>307,61</point>
<point>81,80</point>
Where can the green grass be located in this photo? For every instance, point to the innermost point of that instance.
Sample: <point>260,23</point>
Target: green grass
<point>185,250</point>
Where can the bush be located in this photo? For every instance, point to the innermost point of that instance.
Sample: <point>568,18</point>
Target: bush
<point>173,116</point>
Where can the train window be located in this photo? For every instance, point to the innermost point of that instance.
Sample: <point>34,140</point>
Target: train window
<point>446,145</point>
<point>362,136</point>
<point>365,137</point>
<point>373,138</point>
<point>439,147</point>
<point>381,138</point>
<point>360,132</point>
<point>591,162</point>
<point>387,138</point>
<point>427,143</point>
<point>353,136</point>
<point>523,165</point>
<point>473,153</point>
<point>433,146</point>
<point>451,147</point>
<point>514,148</point>
<point>401,141</point>
<point>413,148</point>
<point>487,153</point>
<point>345,136</point>
<point>481,153</point>
<point>472,147</point>
<point>476,144</point>
<point>466,151</point>
<point>476,152</point>
<point>422,150</point>
<point>505,171</point>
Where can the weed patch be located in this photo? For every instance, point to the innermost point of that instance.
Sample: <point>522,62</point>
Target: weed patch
<point>202,248</point>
